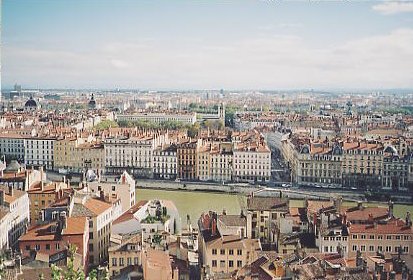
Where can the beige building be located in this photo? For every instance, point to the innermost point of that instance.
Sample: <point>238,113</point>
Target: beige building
<point>77,154</point>
<point>263,218</point>
<point>100,211</point>
<point>157,266</point>
<point>226,251</point>
<point>42,195</point>
<point>125,251</point>
<point>252,162</point>
<point>387,237</point>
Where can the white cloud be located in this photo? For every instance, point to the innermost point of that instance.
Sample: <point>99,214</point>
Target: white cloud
<point>262,62</point>
<point>393,7</point>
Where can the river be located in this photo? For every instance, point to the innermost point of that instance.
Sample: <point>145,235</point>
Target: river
<point>194,203</point>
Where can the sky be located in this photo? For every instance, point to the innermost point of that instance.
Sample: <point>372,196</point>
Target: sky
<point>239,44</point>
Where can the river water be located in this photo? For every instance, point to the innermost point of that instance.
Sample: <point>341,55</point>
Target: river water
<point>195,203</point>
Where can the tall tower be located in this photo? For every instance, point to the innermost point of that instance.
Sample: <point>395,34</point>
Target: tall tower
<point>221,112</point>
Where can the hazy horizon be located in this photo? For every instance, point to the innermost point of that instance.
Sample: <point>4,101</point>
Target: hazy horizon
<point>250,45</point>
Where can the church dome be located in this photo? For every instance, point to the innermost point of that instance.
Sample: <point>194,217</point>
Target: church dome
<point>92,102</point>
<point>30,103</point>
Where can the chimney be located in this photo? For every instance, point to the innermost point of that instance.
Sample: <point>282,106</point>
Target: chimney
<point>224,212</point>
<point>337,204</point>
<point>63,218</point>
<point>214,226</point>
<point>408,219</point>
<point>1,197</point>
<point>391,207</point>
<point>370,219</point>
<point>11,191</point>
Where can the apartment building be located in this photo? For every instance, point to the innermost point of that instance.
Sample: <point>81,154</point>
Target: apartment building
<point>14,216</point>
<point>223,253</point>
<point>384,236</point>
<point>204,161</point>
<point>125,252</point>
<point>41,195</point>
<point>362,163</point>
<point>79,154</point>
<point>39,151</point>
<point>165,162</point>
<point>263,218</point>
<point>12,146</point>
<point>396,170</point>
<point>122,188</point>
<point>100,211</point>
<point>159,117</point>
<point>133,153</point>
<point>20,178</point>
<point>221,162</point>
<point>52,240</point>
<point>317,163</point>
<point>251,162</point>
<point>187,159</point>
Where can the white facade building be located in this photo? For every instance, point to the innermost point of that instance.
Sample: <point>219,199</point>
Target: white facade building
<point>39,152</point>
<point>123,188</point>
<point>187,118</point>
<point>134,154</point>
<point>14,216</point>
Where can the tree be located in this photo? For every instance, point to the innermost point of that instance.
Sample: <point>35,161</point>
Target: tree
<point>70,273</point>
<point>193,130</point>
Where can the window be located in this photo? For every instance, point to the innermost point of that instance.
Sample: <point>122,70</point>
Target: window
<point>363,248</point>
<point>114,261</point>
<point>214,251</point>
<point>90,235</point>
<point>239,252</point>
<point>354,248</point>
<point>113,188</point>
<point>371,248</point>
<point>231,263</point>
<point>371,237</point>
<point>239,263</point>
<point>121,263</point>
<point>214,263</point>
<point>90,224</point>
<point>47,247</point>
<point>388,237</point>
<point>363,236</point>
<point>222,251</point>
<point>37,247</point>
<point>57,246</point>
<point>388,248</point>
<point>222,264</point>
<point>398,237</point>
<point>406,249</point>
<point>354,236</point>
<point>129,261</point>
<point>405,237</point>
<point>380,237</point>
<point>135,260</point>
<point>380,248</point>
<point>90,247</point>
<point>230,251</point>
<point>27,247</point>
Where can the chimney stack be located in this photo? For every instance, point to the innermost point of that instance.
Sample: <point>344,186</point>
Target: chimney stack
<point>11,191</point>
<point>214,226</point>
<point>391,209</point>
<point>1,197</point>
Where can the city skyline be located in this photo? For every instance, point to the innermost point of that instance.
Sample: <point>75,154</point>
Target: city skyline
<point>184,45</point>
